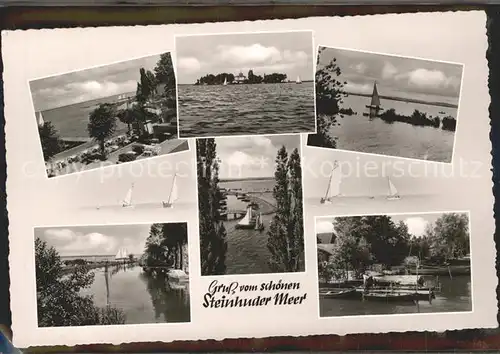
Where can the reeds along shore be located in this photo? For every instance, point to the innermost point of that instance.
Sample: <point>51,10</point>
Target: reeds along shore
<point>419,119</point>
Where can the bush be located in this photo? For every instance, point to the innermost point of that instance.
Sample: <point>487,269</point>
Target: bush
<point>126,157</point>
<point>138,149</point>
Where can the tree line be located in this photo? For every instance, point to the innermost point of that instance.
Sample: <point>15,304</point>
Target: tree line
<point>363,241</point>
<point>218,79</point>
<point>285,235</point>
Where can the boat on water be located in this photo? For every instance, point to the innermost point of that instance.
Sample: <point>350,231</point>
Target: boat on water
<point>374,105</point>
<point>173,196</point>
<point>122,254</point>
<point>393,192</point>
<point>298,81</point>
<point>127,201</point>
<point>248,221</point>
<point>40,120</point>
<point>225,82</point>
<point>333,187</point>
<point>397,296</point>
<point>340,293</point>
<point>259,224</point>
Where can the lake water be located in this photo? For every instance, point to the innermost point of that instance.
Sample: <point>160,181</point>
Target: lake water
<point>247,251</point>
<point>455,296</point>
<point>359,133</point>
<point>217,110</point>
<point>143,298</point>
<point>71,121</point>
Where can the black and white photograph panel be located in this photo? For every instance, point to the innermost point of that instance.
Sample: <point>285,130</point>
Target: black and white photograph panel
<point>394,264</point>
<point>387,105</point>
<point>107,115</point>
<point>162,188</point>
<point>245,84</point>
<point>250,205</point>
<point>112,274</point>
<point>340,182</point>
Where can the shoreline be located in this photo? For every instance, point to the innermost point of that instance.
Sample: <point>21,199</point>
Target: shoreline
<point>408,100</point>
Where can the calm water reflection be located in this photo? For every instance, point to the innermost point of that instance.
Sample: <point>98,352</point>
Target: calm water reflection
<point>143,298</point>
<point>455,296</point>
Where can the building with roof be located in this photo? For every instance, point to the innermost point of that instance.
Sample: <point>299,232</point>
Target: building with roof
<point>239,79</point>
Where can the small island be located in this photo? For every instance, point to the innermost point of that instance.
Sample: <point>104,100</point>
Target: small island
<point>251,78</point>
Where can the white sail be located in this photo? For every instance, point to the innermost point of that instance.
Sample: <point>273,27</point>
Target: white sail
<point>248,217</point>
<point>298,80</point>
<point>225,81</point>
<point>393,192</point>
<point>333,188</point>
<point>128,197</point>
<point>122,253</point>
<point>174,194</point>
<point>40,120</point>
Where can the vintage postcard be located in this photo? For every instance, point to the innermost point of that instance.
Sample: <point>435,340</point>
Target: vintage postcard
<point>394,264</point>
<point>245,83</point>
<point>107,115</point>
<point>385,104</point>
<point>255,220</point>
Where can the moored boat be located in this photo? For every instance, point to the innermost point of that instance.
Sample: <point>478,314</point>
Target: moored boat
<point>340,293</point>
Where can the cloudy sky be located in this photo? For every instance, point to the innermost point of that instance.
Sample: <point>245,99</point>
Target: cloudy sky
<point>395,76</point>
<point>289,53</point>
<point>416,222</point>
<point>95,240</point>
<point>249,157</point>
<point>89,84</point>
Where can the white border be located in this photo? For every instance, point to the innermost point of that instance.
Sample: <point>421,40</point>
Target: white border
<point>403,57</point>
<point>396,314</point>
<point>313,59</point>
<point>98,67</point>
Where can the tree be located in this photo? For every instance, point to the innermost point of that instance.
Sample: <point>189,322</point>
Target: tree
<point>175,235</point>
<point>164,70</point>
<point>126,116</point>
<point>449,237</point>
<point>213,244</point>
<point>329,95</point>
<point>286,234</point>
<point>59,302</point>
<point>164,74</point>
<point>102,124</point>
<point>51,144</point>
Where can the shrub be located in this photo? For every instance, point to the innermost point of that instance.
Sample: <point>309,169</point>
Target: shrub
<point>126,157</point>
<point>138,149</point>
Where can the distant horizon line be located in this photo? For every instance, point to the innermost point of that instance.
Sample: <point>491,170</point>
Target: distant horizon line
<point>246,179</point>
<point>411,100</point>
<point>94,255</point>
<point>92,99</point>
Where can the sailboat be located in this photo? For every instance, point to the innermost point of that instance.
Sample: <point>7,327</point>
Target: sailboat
<point>248,221</point>
<point>225,81</point>
<point>40,120</point>
<point>333,187</point>
<point>259,224</point>
<point>173,194</point>
<point>375,102</point>
<point>122,254</point>
<point>298,81</point>
<point>127,202</point>
<point>393,192</point>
